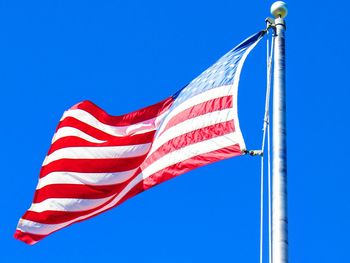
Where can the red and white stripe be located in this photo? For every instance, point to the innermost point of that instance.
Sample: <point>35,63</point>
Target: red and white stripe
<point>96,161</point>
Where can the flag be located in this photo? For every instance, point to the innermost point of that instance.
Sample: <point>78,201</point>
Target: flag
<point>97,161</point>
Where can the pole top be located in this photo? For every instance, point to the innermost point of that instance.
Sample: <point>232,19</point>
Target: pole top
<point>279,9</point>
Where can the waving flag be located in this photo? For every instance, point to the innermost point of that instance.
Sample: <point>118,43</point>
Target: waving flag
<point>97,161</point>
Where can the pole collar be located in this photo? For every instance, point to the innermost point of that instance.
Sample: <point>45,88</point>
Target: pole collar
<point>280,22</point>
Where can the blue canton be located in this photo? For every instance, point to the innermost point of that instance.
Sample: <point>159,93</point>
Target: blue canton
<point>219,74</point>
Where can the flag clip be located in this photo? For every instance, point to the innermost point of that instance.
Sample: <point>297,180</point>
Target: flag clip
<point>270,22</point>
<point>254,152</point>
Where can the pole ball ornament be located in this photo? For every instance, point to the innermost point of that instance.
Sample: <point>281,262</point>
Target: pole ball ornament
<point>279,9</point>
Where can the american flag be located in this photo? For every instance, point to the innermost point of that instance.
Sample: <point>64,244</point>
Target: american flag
<point>96,161</point>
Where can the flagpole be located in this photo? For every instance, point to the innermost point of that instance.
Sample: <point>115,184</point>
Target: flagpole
<point>279,150</point>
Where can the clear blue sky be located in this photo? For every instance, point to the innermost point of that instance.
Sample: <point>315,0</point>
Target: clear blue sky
<point>124,55</point>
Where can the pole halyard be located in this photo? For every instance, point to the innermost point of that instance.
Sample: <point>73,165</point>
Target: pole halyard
<point>279,150</point>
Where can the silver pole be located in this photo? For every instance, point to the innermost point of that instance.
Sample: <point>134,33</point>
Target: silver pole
<point>279,150</point>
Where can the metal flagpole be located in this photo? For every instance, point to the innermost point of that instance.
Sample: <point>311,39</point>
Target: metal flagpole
<point>279,161</point>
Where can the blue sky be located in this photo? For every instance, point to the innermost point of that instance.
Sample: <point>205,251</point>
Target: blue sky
<point>124,55</point>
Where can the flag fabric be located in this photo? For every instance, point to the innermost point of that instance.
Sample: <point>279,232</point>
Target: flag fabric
<point>96,161</point>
